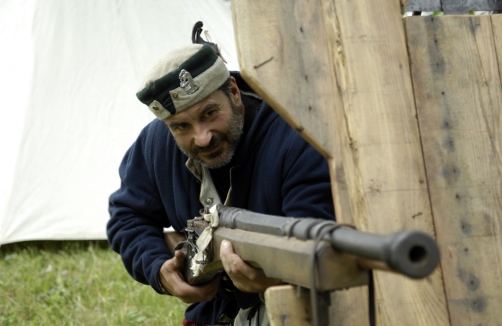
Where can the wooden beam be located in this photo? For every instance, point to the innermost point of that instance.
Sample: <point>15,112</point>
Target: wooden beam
<point>338,72</point>
<point>456,65</point>
<point>282,53</point>
<point>382,163</point>
<point>285,307</point>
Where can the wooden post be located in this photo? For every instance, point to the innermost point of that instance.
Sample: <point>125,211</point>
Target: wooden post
<point>338,72</point>
<point>457,67</point>
<point>289,305</point>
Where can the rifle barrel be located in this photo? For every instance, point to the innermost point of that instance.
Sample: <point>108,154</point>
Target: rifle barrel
<point>412,253</point>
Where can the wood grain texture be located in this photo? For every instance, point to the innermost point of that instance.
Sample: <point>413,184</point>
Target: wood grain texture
<point>284,307</point>
<point>381,171</point>
<point>339,75</point>
<point>349,307</point>
<point>287,41</point>
<point>289,259</point>
<point>455,62</point>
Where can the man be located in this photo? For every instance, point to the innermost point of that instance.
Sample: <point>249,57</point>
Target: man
<point>214,142</point>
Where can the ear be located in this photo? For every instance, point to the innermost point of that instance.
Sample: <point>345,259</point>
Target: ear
<point>235,93</point>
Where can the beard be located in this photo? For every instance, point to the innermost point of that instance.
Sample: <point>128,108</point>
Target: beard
<point>229,141</point>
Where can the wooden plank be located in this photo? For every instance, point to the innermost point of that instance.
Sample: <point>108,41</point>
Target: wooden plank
<point>382,162</point>
<point>279,43</point>
<point>284,307</point>
<point>267,30</point>
<point>349,307</point>
<point>456,64</point>
<point>339,75</point>
<point>497,36</point>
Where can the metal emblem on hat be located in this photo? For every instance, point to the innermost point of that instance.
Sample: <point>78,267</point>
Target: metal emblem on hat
<point>187,83</point>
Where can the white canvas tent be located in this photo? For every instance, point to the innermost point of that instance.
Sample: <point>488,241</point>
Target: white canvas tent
<point>69,71</point>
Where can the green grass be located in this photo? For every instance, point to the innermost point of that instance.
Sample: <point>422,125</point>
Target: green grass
<point>76,283</point>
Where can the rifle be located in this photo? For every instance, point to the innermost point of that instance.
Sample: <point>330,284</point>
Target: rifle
<point>339,255</point>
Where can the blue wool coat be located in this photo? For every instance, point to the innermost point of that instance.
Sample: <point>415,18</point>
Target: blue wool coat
<point>275,172</point>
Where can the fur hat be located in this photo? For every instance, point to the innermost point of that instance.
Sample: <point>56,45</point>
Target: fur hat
<point>181,78</point>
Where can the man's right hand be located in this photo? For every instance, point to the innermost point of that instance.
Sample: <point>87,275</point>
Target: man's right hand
<point>171,277</point>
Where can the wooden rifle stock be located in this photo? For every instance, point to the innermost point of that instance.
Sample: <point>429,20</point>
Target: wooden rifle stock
<point>283,247</point>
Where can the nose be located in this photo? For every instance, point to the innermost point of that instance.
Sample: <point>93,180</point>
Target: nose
<point>202,137</point>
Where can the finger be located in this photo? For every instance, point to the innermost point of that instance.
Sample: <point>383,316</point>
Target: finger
<point>240,267</point>
<point>190,294</point>
<point>233,264</point>
<point>226,254</point>
<point>226,248</point>
<point>244,276</point>
<point>179,259</point>
<point>176,284</point>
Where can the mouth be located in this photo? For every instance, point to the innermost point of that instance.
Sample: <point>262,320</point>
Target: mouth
<point>211,149</point>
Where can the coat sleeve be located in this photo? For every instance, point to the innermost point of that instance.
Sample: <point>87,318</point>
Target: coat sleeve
<point>137,217</point>
<point>306,184</point>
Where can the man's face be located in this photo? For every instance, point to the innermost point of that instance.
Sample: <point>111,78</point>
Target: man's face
<point>209,131</point>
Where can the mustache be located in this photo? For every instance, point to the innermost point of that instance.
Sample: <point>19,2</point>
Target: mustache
<point>215,141</point>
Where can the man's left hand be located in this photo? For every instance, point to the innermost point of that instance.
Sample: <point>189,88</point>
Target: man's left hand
<point>244,277</point>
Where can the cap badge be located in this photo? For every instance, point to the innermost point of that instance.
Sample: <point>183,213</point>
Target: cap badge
<point>187,83</point>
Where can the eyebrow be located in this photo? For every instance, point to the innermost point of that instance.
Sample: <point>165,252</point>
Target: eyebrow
<point>207,108</point>
<point>174,124</point>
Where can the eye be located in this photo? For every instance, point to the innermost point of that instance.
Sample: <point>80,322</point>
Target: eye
<point>179,128</point>
<point>209,113</point>
<point>182,126</point>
